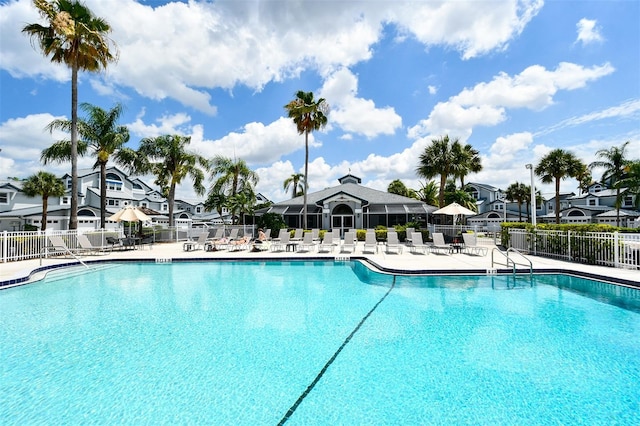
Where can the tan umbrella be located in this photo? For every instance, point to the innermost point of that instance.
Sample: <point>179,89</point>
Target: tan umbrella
<point>129,214</point>
<point>455,209</point>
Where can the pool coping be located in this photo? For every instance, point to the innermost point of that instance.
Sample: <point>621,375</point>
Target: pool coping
<point>33,275</point>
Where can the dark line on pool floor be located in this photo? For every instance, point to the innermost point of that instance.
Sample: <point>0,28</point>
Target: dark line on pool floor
<point>333,358</point>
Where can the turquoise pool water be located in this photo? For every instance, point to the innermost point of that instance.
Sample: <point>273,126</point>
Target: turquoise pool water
<point>315,343</point>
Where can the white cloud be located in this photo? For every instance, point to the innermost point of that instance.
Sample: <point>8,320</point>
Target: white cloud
<point>588,32</point>
<point>356,115</point>
<point>432,90</point>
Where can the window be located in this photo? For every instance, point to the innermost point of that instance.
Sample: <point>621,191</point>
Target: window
<point>165,207</point>
<point>628,201</point>
<point>65,201</point>
<point>113,203</point>
<point>4,198</point>
<point>593,202</point>
<point>198,209</point>
<point>68,183</point>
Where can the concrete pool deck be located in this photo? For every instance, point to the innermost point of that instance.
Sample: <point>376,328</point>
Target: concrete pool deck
<point>406,262</point>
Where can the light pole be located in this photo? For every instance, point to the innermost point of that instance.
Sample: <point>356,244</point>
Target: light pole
<point>533,195</point>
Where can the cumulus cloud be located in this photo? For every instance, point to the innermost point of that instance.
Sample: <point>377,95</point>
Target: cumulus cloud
<point>485,104</point>
<point>353,114</point>
<point>588,32</point>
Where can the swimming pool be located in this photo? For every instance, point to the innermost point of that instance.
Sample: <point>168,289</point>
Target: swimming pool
<point>314,343</point>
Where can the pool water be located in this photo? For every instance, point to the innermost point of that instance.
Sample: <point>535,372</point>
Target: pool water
<point>315,343</point>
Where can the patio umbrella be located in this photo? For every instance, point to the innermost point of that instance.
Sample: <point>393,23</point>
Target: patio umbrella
<point>129,214</point>
<point>455,209</point>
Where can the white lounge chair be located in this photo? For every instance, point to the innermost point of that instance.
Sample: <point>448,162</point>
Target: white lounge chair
<point>393,244</point>
<point>307,244</point>
<point>85,244</point>
<point>282,241</point>
<point>297,235</point>
<point>58,245</point>
<point>349,243</point>
<point>417,245</point>
<point>439,246</point>
<point>327,243</point>
<point>197,243</point>
<point>370,242</point>
<point>471,245</point>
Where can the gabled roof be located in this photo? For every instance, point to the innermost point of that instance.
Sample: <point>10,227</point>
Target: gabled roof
<point>483,186</point>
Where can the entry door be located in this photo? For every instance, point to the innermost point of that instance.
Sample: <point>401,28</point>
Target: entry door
<point>342,222</point>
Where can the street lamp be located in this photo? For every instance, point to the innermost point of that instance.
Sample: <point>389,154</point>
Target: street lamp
<point>533,195</point>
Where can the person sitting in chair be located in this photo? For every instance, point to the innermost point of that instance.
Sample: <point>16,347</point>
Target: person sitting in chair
<point>259,243</point>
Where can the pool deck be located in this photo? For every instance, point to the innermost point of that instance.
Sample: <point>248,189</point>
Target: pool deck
<point>406,262</point>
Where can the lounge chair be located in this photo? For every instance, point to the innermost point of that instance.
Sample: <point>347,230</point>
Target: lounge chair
<point>239,244</point>
<point>267,232</point>
<point>327,244</point>
<point>349,243</point>
<point>282,241</point>
<point>85,244</point>
<point>408,239</point>
<point>370,242</point>
<point>439,246</point>
<point>115,243</point>
<point>393,244</point>
<point>196,244</point>
<point>234,234</point>
<point>417,245</point>
<point>471,245</point>
<point>307,243</point>
<point>218,235</point>
<point>315,234</point>
<point>58,245</point>
<point>297,235</point>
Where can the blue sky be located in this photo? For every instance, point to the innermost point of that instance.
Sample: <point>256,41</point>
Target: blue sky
<point>515,79</point>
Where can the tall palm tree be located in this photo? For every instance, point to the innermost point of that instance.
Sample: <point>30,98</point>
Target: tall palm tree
<point>438,159</point>
<point>466,160</point>
<point>99,132</point>
<point>242,203</point>
<point>46,185</point>
<point>78,39</point>
<point>216,200</point>
<point>167,158</point>
<point>518,192</point>
<point>296,182</point>
<point>613,161</point>
<point>555,166</point>
<point>308,116</point>
<point>584,179</point>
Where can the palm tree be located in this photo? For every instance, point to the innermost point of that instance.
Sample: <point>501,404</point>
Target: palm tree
<point>308,116</point>
<point>75,37</point>
<point>296,182</point>
<point>631,181</point>
<point>428,192</point>
<point>233,175</point>
<point>398,187</point>
<point>438,159</point>
<point>613,161</point>
<point>44,184</point>
<point>168,160</point>
<point>555,166</point>
<point>216,200</point>
<point>518,192</point>
<point>466,160</point>
<point>584,179</point>
<point>242,203</point>
<point>101,133</point>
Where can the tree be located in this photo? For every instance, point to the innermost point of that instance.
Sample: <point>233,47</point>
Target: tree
<point>584,179</point>
<point>308,116</point>
<point>216,200</point>
<point>99,132</point>
<point>296,182</point>
<point>242,203</point>
<point>167,158</point>
<point>233,175</point>
<point>428,193</point>
<point>466,160</point>
<point>631,181</point>
<point>438,159</point>
<point>613,161</point>
<point>78,39</point>
<point>46,185</point>
<point>555,166</point>
<point>518,192</point>
<point>398,187</point>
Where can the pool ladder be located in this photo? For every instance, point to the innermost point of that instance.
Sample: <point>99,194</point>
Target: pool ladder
<point>509,261</point>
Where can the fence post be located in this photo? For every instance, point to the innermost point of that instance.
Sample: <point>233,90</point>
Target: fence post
<point>568,245</point>
<point>5,246</point>
<point>616,250</point>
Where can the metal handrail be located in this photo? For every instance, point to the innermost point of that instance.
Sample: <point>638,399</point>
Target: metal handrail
<point>510,261</point>
<point>63,249</point>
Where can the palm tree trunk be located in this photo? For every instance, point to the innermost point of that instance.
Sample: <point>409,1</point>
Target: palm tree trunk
<point>103,193</point>
<point>443,184</point>
<point>172,194</point>
<point>45,206</point>
<point>519,211</point>
<point>73,214</point>
<point>557,200</point>
<point>306,178</point>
